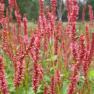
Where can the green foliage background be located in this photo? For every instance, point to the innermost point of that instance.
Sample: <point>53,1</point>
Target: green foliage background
<point>31,7</point>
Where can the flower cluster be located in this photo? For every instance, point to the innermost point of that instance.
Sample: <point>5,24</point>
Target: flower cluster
<point>25,30</point>
<point>41,3</point>
<point>19,75</point>
<point>83,13</point>
<point>53,5</point>
<point>18,17</point>
<point>2,8</point>
<point>3,82</point>
<point>88,57</point>
<point>37,76</point>
<point>12,3</point>
<point>90,12</point>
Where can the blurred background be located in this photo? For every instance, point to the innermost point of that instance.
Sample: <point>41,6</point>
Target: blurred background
<point>31,8</point>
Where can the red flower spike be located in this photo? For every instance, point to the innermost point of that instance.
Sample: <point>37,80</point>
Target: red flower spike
<point>90,13</point>
<point>83,13</point>
<point>25,30</point>
<point>41,4</point>
<point>82,48</point>
<point>3,82</point>
<point>2,7</point>
<point>19,73</point>
<point>57,77</point>
<point>87,37</point>
<point>37,76</point>
<point>54,5</point>
<point>12,3</point>
<point>88,57</point>
<point>46,90</point>
<point>52,86</point>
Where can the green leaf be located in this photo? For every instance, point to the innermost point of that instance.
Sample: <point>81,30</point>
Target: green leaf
<point>52,58</point>
<point>46,78</point>
<point>40,91</point>
<point>12,89</point>
<point>52,70</point>
<point>91,74</point>
<point>64,88</point>
<point>31,91</point>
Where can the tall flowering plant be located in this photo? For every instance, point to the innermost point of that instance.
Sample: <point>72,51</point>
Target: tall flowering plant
<point>49,58</point>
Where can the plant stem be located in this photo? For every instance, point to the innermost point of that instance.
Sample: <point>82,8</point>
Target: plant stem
<point>17,91</point>
<point>26,79</point>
